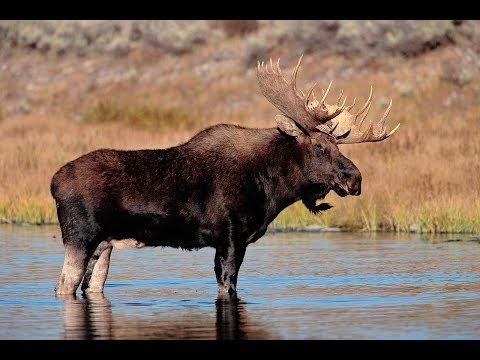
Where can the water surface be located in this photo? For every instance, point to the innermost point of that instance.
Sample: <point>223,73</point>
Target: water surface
<point>291,286</point>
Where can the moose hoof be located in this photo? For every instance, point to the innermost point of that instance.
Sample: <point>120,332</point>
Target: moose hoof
<point>227,291</point>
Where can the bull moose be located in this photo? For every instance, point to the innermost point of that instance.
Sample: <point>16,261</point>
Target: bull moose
<point>222,188</point>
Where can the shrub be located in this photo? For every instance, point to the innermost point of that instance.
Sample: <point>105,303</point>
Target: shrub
<point>174,36</point>
<point>104,111</point>
<point>151,116</point>
<point>143,115</point>
<point>238,27</point>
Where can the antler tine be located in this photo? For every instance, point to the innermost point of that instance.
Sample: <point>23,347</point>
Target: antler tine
<point>326,92</point>
<point>271,65</point>
<point>365,115</point>
<point>381,124</point>
<point>310,92</point>
<point>348,125</point>
<point>295,72</point>
<point>349,107</point>
<point>393,131</point>
<point>343,104</point>
<point>368,133</point>
<point>294,75</point>
<point>270,69</point>
<point>340,97</point>
<point>369,100</point>
<point>278,67</point>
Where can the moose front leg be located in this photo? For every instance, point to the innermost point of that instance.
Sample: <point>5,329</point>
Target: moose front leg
<point>228,260</point>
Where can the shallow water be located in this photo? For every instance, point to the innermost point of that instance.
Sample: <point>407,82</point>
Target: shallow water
<point>291,286</point>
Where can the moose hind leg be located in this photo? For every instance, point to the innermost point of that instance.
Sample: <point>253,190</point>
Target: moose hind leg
<point>97,269</point>
<point>81,235</point>
<point>74,267</point>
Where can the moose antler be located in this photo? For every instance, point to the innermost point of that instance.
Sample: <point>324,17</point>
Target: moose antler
<point>345,127</point>
<point>292,102</point>
<point>335,120</point>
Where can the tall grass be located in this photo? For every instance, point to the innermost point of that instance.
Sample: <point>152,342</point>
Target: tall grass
<point>425,178</point>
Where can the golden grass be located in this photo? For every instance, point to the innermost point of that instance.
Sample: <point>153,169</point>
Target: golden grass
<point>426,178</point>
<point>34,147</point>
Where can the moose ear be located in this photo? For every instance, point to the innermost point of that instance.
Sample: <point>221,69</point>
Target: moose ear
<point>288,126</point>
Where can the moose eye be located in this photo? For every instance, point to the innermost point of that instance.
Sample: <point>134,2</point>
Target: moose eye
<point>323,151</point>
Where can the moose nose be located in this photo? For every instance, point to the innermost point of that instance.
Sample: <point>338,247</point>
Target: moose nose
<point>354,187</point>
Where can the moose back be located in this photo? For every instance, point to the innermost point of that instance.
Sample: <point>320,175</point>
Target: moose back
<point>221,189</point>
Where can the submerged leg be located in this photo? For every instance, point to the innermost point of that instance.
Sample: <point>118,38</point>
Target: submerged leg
<point>228,260</point>
<point>74,267</point>
<point>97,269</point>
<point>81,236</point>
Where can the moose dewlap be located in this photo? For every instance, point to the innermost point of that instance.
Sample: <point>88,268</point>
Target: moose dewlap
<point>222,188</point>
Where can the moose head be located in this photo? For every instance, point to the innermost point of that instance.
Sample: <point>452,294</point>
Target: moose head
<point>319,127</point>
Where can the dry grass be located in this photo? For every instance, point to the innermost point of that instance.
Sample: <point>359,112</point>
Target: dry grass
<point>34,147</point>
<point>426,178</point>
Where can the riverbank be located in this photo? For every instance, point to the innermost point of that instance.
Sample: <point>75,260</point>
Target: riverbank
<point>296,218</point>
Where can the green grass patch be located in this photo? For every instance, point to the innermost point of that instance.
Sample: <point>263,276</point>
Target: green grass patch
<point>399,220</point>
<point>448,220</point>
<point>104,111</point>
<point>142,115</point>
<point>28,211</point>
<point>370,217</point>
<point>431,218</point>
<point>297,216</point>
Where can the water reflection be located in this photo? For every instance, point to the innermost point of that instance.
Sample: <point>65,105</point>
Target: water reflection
<point>229,323</point>
<point>87,319</point>
<point>91,318</point>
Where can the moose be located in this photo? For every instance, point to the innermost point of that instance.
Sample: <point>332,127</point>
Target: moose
<point>220,189</point>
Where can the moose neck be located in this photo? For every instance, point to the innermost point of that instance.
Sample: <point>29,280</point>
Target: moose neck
<point>283,177</point>
<point>275,162</point>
